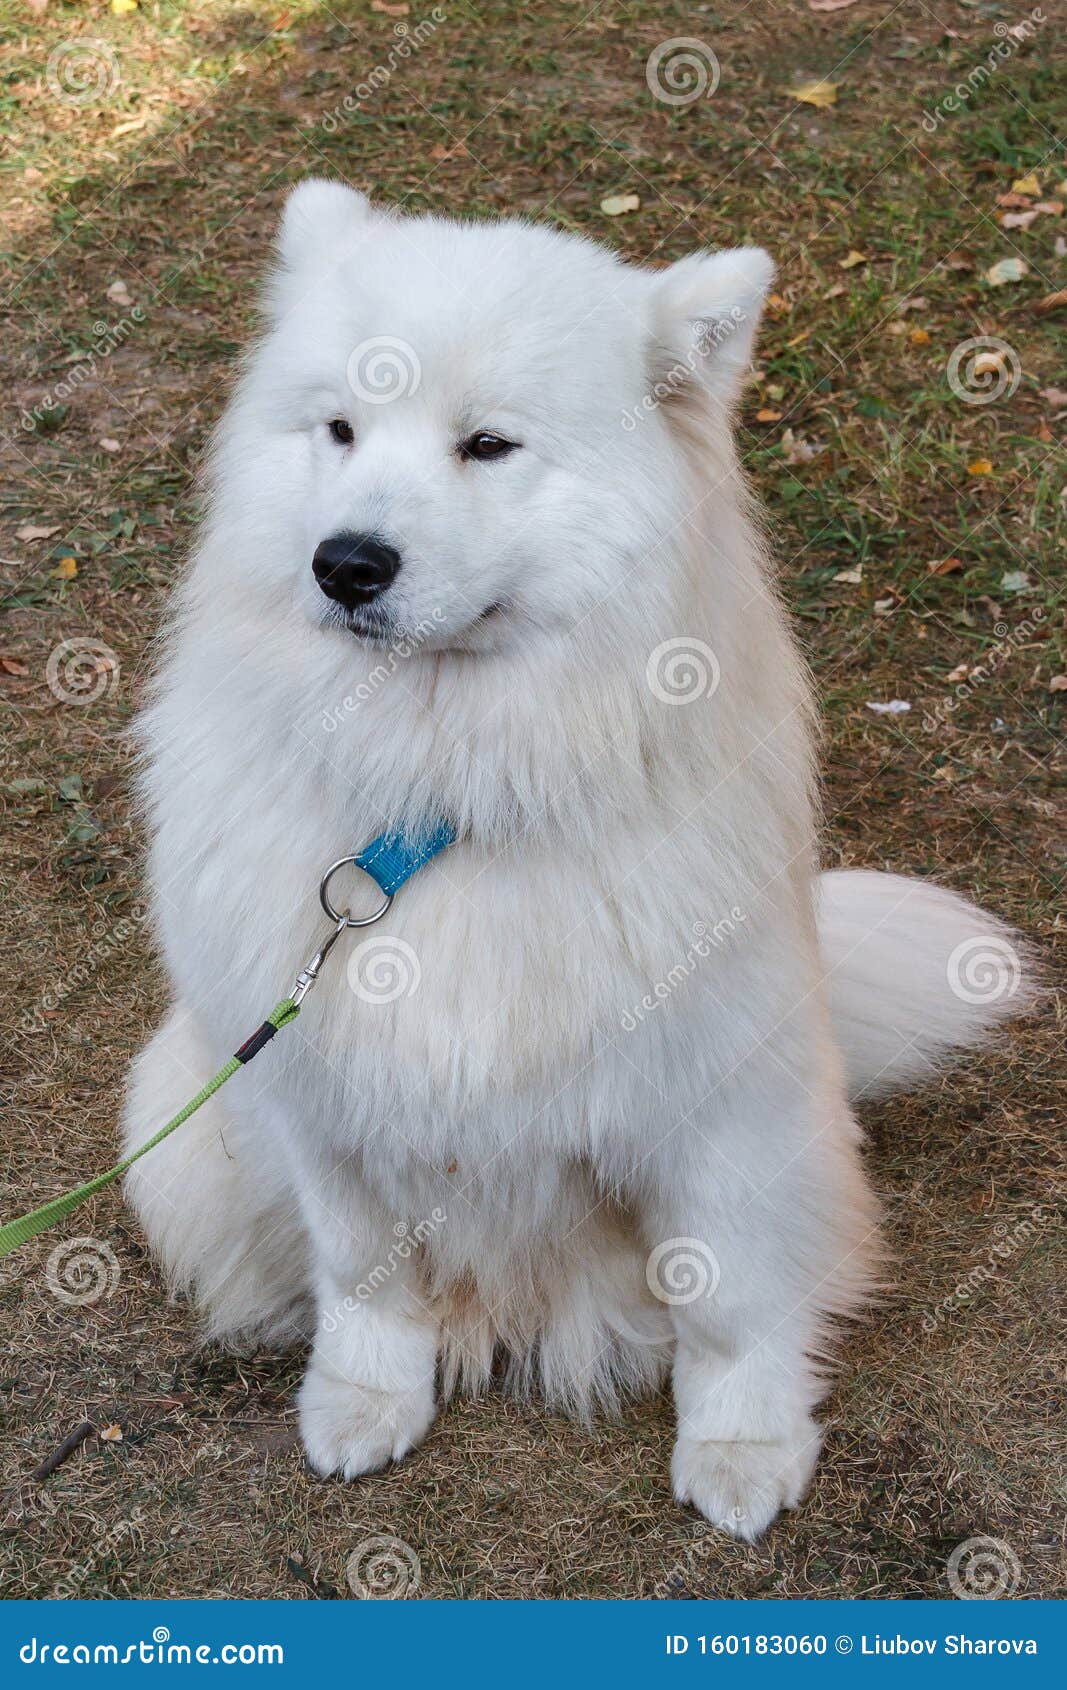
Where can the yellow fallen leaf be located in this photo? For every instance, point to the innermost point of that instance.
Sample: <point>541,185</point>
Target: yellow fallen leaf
<point>121,7</point>
<point>919,337</point>
<point>981,466</point>
<point>65,569</point>
<point>111,1434</point>
<point>777,305</point>
<point>616,205</point>
<point>854,258</point>
<point>768,416</point>
<point>815,93</point>
<point>944,566</point>
<point>1026,185</point>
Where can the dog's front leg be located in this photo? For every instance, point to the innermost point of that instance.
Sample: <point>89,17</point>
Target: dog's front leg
<point>758,1230</point>
<point>368,1393</point>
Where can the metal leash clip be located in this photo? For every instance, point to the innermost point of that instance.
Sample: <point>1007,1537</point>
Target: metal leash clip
<point>342,919</point>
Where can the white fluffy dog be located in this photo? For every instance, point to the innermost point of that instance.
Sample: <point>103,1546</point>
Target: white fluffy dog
<point>478,550</point>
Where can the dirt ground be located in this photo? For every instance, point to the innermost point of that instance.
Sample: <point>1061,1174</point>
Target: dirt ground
<point>916,508</point>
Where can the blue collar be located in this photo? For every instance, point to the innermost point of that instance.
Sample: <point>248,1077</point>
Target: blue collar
<point>393,858</point>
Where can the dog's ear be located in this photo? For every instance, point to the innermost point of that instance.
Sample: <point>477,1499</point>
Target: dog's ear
<point>706,310</point>
<point>317,215</point>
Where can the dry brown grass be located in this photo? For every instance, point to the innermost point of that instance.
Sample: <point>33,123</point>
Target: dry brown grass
<point>936,1435</point>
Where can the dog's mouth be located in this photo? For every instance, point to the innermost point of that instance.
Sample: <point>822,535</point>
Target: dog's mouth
<point>373,625</point>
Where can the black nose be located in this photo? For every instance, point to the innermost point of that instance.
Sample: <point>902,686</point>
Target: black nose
<point>355,568</point>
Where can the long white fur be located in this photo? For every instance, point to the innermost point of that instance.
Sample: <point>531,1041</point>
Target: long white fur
<point>563,1139</point>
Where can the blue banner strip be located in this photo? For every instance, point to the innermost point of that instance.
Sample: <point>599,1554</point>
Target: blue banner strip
<point>520,1644</point>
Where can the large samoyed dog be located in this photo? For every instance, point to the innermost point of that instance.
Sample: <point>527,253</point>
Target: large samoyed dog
<point>577,1111</point>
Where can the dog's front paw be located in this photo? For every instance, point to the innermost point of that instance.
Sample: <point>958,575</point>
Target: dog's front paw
<point>740,1487</point>
<point>349,1429</point>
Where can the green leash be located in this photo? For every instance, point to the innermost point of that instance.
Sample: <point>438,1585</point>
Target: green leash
<point>389,860</point>
<point>20,1231</point>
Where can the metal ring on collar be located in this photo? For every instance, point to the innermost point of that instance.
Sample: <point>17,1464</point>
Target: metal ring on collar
<point>343,915</point>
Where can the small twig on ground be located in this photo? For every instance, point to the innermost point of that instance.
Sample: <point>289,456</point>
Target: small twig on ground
<point>70,1443</point>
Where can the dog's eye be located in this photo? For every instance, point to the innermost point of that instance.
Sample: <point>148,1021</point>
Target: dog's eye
<point>485,445</point>
<point>341,431</point>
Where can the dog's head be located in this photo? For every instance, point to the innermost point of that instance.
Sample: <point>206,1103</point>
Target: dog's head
<point>467,433</point>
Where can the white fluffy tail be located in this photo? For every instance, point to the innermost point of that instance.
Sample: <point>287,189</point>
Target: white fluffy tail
<point>915,974</point>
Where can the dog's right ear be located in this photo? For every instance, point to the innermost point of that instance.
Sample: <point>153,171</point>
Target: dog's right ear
<point>706,310</point>
<point>319,215</point>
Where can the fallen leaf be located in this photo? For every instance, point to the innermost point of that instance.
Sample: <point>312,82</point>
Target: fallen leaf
<point>65,569</point>
<point>111,1434</point>
<point>119,294</point>
<point>850,577</point>
<point>12,666</point>
<point>1051,302</point>
<point>980,466</point>
<point>1013,201</point>
<point>961,672</point>
<point>617,204</point>
<point>32,531</point>
<point>130,127</point>
<point>798,450</point>
<point>854,258</point>
<point>1015,581</point>
<point>1017,219</point>
<point>1026,185</point>
<point>70,789</point>
<point>959,263</point>
<point>1055,396</point>
<point>121,7</point>
<point>916,303</point>
<point>919,337</point>
<point>829,5</point>
<point>836,291</point>
<point>396,11</point>
<point>1049,208</point>
<point>882,607</point>
<point>110,445</point>
<point>944,566</point>
<point>1006,270</point>
<point>777,305</point>
<point>768,416</point>
<point>818,93</point>
<point>1058,683</point>
<point>895,707</point>
<point>897,328</point>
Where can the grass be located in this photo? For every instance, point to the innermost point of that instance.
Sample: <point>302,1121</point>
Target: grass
<point>168,180</point>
